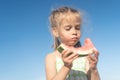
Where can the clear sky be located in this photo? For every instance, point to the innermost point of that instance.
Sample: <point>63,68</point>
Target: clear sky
<point>25,38</point>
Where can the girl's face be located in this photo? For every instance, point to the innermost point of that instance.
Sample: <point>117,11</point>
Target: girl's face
<point>69,30</point>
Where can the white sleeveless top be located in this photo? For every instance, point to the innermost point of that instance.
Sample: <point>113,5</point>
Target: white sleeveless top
<point>78,71</point>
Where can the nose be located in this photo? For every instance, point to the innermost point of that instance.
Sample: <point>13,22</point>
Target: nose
<point>74,31</point>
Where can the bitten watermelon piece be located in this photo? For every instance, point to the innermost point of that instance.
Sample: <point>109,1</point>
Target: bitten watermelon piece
<point>86,49</point>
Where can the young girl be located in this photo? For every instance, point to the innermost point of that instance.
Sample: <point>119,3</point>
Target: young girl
<point>67,65</point>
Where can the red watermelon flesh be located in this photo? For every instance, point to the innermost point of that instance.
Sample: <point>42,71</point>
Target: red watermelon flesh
<point>86,49</point>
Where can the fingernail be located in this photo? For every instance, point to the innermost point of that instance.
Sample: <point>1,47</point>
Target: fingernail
<point>92,55</point>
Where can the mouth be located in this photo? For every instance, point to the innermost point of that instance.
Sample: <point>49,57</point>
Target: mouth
<point>74,38</point>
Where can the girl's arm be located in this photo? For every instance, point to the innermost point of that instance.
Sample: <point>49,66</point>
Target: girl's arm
<point>51,73</point>
<point>92,72</point>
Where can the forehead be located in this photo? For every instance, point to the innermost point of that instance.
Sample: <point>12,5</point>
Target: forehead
<point>71,19</point>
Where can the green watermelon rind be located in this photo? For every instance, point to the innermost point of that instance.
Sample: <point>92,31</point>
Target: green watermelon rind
<point>60,49</point>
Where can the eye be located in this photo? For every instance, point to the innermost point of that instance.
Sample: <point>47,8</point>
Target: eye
<point>77,27</point>
<point>67,28</point>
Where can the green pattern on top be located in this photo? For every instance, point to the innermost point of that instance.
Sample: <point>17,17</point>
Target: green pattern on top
<point>78,69</point>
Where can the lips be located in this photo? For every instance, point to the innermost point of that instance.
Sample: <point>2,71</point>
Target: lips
<point>74,38</point>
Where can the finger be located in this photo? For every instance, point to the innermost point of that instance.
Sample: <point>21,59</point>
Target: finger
<point>73,58</point>
<point>69,54</point>
<point>96,53</point>
<point>91,61</point>
<point>66,53</point>
<point>73,55</point>
<point>92,58</point>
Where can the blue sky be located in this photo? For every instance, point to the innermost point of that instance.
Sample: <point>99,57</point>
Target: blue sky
<point>25,38</point>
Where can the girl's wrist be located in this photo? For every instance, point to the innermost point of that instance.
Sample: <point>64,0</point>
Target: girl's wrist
<point>94,69</point>
<point>68,66</point>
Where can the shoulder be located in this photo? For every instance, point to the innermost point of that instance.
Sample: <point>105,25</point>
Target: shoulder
<point>50,57</point>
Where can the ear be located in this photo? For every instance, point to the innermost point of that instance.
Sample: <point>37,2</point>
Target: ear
<point>55,32</point>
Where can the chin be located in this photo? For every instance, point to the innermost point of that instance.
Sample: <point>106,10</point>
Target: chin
<point>72,44</point>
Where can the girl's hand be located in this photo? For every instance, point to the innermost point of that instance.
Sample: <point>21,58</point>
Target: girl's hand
<point>68,57</point>
<point>93,59</point>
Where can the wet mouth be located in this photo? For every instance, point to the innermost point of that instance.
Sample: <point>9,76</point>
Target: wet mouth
<point>75,38</point>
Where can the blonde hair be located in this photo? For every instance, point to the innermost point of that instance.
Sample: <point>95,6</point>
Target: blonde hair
<point>56,17</point>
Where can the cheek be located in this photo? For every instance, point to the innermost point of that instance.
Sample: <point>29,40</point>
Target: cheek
<point>64,37</point>
<point>79,34</point>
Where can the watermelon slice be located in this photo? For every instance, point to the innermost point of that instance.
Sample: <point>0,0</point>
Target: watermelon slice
<point>86,49</point>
